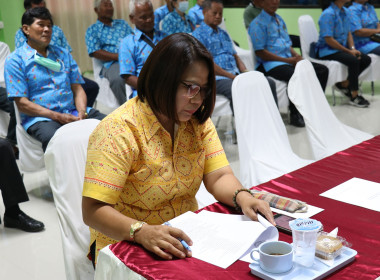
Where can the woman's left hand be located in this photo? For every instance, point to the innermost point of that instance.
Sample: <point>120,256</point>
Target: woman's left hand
<point>250,206</point>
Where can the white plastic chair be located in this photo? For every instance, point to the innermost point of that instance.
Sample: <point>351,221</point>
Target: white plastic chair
<point>281,86</point>
<point>4,116</point>
<point>203,197</point>
<point>264,149</point>
<point>106,96</point>
<point>31,158</point>
<point>327,135</point>
<point>65,160</point>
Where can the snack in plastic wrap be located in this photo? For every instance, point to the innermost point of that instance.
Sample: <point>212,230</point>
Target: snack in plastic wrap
<point>329,247</point>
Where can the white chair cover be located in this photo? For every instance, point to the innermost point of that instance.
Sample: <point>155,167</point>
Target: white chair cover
<point>65,163</point>
<point>372,72</point>
<point>111,268</point>
<point>281,87</point>
<point>106,96</point>
<point>222,106</point>
<point>308,34</point>
<point>326,133</point>
<point>31,158</point>
<point>264,149</point>
<point>4,116</point>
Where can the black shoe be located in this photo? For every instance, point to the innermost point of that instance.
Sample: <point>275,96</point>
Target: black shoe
<point>296,119</point>
<point>23,222</point>
<point>359,101</point>
<point>344,91</point>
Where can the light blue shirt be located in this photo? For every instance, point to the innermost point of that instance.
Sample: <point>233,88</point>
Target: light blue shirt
<point>269,33</point>
<point>196,13</point>
<point>173,23</point>
<point>47,88</point>
<point>57,38</point>
<point>159,14</point>
<point>363,16</point>
<point>219,44</point>
<point>100,36</point>
<point>134,51</point>
<point>333,22</point>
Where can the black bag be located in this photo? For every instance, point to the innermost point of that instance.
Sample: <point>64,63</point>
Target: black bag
<point>375,37</point>
<point>312,52</point>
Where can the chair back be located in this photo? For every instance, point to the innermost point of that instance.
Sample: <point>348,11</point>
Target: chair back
<point>105,96</point>
<point>327,135</point>
<point>264,149</point>
<point>4,52</point>
<point>65,160</point>
<point>31,158</point>
<point>308,34</point>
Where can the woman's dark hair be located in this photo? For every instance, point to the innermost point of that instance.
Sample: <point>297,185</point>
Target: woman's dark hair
<point>28,3</point>
<point>162,73</point>
<point>36,13</point>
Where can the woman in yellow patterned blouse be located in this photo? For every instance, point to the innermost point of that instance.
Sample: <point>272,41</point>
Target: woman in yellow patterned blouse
<point>147,159</point>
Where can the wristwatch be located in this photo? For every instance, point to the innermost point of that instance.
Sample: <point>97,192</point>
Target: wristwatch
<point>135,227</point>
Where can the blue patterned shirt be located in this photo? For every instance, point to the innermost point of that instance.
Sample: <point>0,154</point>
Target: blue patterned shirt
<point>219,44</point>
<point>49,89</point>
<point>159,14</point>
<point>363,16</point>
<point>196,13</point>
<point>100,36</point>
<point>269,33</point>
<point>335,23</point>
<point>134,51</point>
<point>173,23</point>
<point>57,39</point>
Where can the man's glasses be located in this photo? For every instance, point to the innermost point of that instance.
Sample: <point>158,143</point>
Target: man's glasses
<point>193,90</point>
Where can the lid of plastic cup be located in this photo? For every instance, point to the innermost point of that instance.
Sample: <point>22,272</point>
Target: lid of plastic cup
<point>305,224</point>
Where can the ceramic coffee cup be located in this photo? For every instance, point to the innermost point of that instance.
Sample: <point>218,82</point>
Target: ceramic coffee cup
<point>274,256</point>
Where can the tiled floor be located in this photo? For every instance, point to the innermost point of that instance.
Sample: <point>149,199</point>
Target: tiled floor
<point>39,256</point>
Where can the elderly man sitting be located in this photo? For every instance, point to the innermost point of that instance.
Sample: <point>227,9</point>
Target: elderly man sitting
<point>44,80</point>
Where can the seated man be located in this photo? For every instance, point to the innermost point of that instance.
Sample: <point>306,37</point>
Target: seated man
<point>227,64</point>
<point>161,12</point>
<point>275,55</point>
<point>135,48</point>
<point>177,21</point>
<point>196,13</point>
<point>253,10</point>
<point>44,80</point>
<point>13,192</point>
<point>103,39</point>
<point>90,87</point>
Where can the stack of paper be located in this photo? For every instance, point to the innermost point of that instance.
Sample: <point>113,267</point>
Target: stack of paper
<point>221,239</point>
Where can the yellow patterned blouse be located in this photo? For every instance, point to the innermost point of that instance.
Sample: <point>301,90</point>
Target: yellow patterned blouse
<point>133,165</point>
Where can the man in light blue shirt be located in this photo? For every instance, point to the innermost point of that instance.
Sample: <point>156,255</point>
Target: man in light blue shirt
<point>364,23</point>
<point>135,48</point>
<point>177,21</point>
<point>161,12</point>
<point>275,55</point>
<point>103,39</point>
<point>227,64</point>
<point>58,38</point>
<point>196,13</point>
<point>44,81</point>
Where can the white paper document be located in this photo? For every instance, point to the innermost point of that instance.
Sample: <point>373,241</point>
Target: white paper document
<point>357,192</point>
<point>221,239</point>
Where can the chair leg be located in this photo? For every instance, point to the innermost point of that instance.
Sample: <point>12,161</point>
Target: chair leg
<point>333,94</point>
<point>373,87</point>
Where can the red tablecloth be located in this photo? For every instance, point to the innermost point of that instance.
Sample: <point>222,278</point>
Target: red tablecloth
<point>359,226</point>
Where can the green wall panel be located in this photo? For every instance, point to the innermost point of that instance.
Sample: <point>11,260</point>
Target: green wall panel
<point>10,13</point>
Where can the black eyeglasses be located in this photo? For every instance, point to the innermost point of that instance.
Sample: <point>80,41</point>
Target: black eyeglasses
<point>193,90</point>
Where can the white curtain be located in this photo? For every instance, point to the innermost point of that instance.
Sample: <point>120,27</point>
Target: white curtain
<point>74,17</point>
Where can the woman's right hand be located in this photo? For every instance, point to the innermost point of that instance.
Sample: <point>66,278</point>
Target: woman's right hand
<point>163,241</point>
